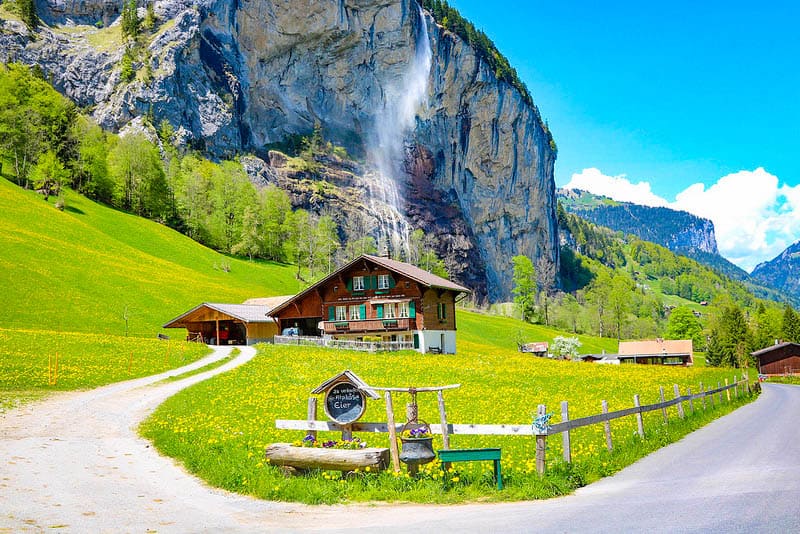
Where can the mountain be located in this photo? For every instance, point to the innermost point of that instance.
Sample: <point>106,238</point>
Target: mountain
<point>782,272</point>
<point>412,100</point>
<point>678,231</point>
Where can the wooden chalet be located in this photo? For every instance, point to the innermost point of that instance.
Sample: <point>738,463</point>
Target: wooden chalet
<point>779,359</point>
<point>376,297</point>
<point>230,324</point>
<point>657,352</point>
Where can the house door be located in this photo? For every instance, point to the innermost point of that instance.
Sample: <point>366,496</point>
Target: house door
<point>416,341</point>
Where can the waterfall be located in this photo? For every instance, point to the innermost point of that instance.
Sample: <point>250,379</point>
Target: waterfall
<point>402,99</point>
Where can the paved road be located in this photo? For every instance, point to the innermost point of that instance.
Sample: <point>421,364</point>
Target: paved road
<point>75,462</point>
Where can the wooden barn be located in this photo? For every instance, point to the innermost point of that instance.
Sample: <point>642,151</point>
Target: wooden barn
<point>779,359</point>
<point>230,324</point>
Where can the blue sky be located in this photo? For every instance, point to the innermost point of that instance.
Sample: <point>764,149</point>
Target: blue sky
<point>692,105</point>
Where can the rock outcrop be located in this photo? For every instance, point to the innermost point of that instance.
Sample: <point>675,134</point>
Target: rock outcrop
<point>234,77</point>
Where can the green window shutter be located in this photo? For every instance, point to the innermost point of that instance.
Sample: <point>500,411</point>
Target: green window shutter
<point>373,282</point>
<point>350,284</point>
<point>412,312</point>
<point>362,312</point>
<point>444,310</point>
<point>416,338</point>
<point>391,282</point>
<point>332,313</point>
<point>379,310</point>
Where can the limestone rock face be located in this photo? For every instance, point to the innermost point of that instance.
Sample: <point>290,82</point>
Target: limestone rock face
<point>232,77</point>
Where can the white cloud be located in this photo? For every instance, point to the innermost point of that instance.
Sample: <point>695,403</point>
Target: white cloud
<point>616,187</point>
<point>755,218</point>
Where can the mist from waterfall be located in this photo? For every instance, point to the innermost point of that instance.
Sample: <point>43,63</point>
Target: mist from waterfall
<point>401,102</point>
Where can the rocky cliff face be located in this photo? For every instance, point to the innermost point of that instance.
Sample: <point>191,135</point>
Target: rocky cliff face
<point>232,77</point>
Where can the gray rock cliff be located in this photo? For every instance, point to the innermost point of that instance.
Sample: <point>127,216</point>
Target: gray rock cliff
<point>233,77</point>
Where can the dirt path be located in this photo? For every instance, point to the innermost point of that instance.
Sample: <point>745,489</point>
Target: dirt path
<point>75,463</point>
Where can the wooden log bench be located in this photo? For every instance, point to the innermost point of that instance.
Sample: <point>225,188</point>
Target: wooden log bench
<point>302,458</point>
<point>474,455</point>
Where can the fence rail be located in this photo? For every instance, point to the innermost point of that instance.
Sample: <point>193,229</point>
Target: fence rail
<point>739,387</point>
<point>364,346</point>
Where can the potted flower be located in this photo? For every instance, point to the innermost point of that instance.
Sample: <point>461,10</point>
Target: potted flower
<point>417,446</point>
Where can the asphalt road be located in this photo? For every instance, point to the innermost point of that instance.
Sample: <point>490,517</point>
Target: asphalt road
<point>75,464</point>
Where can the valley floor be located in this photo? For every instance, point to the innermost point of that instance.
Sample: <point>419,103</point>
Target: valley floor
<point>75,462</point>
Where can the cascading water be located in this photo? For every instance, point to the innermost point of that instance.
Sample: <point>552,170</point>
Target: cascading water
<point>401,102</point>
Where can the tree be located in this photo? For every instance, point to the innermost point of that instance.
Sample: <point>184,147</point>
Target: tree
<point>149,21</point>
<point>130,19</point>
<point>141,186</point>
<point>729,338</point>
<point>524,291</point>
<point>790,328</point>
<point>565,347</point>
<point>49,175</point>
<point>546,278</point>
<point>275,204</point>
<point>598,294</point>
<point>28,14</point>
<point>682,324</point>
<point>251,239</point>
<point>91,167</point>
<point>619,301</point>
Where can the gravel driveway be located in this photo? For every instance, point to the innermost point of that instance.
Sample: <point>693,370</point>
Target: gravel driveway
<point>74,463</point>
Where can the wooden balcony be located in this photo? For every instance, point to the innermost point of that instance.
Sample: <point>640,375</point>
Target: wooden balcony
<point>369,325</point>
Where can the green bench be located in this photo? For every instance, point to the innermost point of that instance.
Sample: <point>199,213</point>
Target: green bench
<point>474,455</point>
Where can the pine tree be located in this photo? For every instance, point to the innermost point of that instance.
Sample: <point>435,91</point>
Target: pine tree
<point>791,325</point>
<point>130,19</point>
<point>27,12</point>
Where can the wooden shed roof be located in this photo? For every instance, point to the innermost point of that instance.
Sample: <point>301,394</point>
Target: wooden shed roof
<point>772,348</point>
<point>246,313</point>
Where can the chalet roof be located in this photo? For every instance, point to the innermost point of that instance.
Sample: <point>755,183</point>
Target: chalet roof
<point>414,273</point>
<point>655,347</point>
<point>269,302</point>
<point>775,347</point>
<point>247,313</point>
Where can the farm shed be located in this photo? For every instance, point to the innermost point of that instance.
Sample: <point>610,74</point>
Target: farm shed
<point>779,359</point>
<point>229,324</point>
<point>657,352</point>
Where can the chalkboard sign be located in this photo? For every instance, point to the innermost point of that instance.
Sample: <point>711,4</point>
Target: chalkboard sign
<point>345,403</point>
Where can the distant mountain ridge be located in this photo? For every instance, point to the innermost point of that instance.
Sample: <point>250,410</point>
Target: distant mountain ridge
<point>678,231</point>
<point>782,272</point>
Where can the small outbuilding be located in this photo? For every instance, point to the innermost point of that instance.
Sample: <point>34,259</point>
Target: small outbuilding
<point>657,352</point>
<point>779,359</point>
<point>230,324</point>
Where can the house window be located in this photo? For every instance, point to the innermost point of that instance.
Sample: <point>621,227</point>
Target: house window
<point>383,281</point>
<point>354,316</point>
<point>389,310</point>
<point>441,311</point>
<point>403,309</point>
<point>358,283</point>
<point>341,313</point>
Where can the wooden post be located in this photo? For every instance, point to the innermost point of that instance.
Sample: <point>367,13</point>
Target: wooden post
<point>217,321</point>
<point>607,426</point>
<point>387,395</point>
<point>312,415</point>
<point>565,434</point>
<point>639,420</point>
<point>347,433</point>
<point>703,393</point>
<point>712,397</point>
<point>677,391</point>
<point>691,401</point>
<point>443,420</point>
<point>727,391</point>
<point>663,400</point>
<point>719,386</point>
<point>735,386</point>
<point>747,383</point>
<point>541,444</point>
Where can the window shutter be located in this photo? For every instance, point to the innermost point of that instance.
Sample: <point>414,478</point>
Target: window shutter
<point>391,282</point>
<point>412,312</point>
<point>332,313</point>
<point>362,312</point>
<point>379,310</point>
<point>350,284</point>
<point>373,282</point>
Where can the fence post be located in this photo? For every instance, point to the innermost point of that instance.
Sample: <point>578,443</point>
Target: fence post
<point>312,414</point>
<point>691,401</point>
<point>719,387</point>
<point>393,450</point>
<point>639,420</point>
<point>541,443</point>
<point>735,386</point>
<point>703,397</point>
<point>663,400</point>
<point>443,420</point>
<point>747,383</point>
<point>677,391</point>
<point>565,434</point>
<point>711,396</point>
<point>607,426</point>
<point>727,391</point>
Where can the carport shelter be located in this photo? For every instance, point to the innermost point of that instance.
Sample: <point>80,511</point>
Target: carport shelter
<point>227,324</point>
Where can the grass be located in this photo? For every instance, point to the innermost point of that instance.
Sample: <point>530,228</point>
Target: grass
<point>28,361</point>
<point>221,437</point>
<point>785,379</point>
<point>213,365</point>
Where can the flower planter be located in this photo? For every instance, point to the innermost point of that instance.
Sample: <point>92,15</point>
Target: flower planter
<point>417,451</point>
<point>328,459</point>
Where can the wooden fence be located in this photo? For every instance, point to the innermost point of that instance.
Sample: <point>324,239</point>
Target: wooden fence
<point>705,396</point>
<point>364,346</point>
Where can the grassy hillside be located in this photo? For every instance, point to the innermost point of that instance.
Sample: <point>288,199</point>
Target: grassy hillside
<point>79,270</point>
